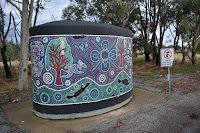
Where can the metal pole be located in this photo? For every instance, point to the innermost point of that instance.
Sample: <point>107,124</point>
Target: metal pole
<point>168,78</point>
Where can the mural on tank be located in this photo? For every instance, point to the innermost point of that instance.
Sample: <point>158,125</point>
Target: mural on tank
<point>80,69</point>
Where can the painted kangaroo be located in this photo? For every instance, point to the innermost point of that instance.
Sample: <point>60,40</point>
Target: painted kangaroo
<point>75,69</point>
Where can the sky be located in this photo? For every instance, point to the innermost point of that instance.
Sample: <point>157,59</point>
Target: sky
<point>52,12</point>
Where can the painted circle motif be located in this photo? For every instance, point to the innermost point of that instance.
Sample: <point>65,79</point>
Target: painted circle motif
<point>45,39</point>
<point>94,93</point>
<point>67,82</point>
<point>112,72</point>
<point>38,82</point>
<point>48,78</point>
<point>115,87</point>
<point>76,86</point>
<point>45,97</point>
<point>85,98</point>
<point>102,78</point>
<point>58,96</point>
<point>98,39</point>
<point>109,90</point>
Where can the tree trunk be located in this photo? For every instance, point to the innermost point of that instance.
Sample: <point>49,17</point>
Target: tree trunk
<point>154,51</point>
<point>158,58</point>
<point>147,57</point>
<point>194,46</point>
<point>183,54</point>
<point>5,63</point>
<point>121,60</point>
<point>58,78</point>
<point>194,59</point>
<point>24,55</point>
<point>38,4</point>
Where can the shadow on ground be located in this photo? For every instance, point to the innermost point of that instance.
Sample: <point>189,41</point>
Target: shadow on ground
<point>21,114</point>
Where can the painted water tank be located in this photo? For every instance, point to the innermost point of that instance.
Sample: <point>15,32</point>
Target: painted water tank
<point>80,69</point>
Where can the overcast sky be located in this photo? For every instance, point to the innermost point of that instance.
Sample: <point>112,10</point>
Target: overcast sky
<point>52,12</point>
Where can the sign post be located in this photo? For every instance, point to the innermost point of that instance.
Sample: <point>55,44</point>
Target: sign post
<point>167,57</point>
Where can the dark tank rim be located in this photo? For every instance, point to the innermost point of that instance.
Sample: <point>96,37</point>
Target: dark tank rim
<point>64,27</point>
<point>81,108</point>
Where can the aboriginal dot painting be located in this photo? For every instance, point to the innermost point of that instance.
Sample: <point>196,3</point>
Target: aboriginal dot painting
<point>80,69</point>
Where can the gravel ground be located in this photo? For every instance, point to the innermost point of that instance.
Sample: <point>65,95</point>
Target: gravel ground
<point>6,126</point>
<point>176,112</point>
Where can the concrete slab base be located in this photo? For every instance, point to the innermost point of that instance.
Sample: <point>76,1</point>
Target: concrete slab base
<point>22,115</point>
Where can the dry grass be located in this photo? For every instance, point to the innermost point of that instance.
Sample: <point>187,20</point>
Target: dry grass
<point>13,63</point>
<point>140,67</point>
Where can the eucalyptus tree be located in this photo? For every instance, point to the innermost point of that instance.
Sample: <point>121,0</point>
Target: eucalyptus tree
<point>39,6</point>
<point>3,36</point>
<point>25,9</point>
<point>191,25</point>
<point>26,18</point>
<point>166,18</point>
<point>141,23</point>
<point>115,12</point>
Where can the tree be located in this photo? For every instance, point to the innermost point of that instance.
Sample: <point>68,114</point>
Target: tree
<point>166,15</point>
<point>12,51</point>
<point>58,57</point>
<point>141,23</point>
<point>26,17</point>
<point>3,36</point>
<point>115,12</point>
<point>39,5</point>
<point>121,51</point>
<point>190,25</point>
<point>58,62</point>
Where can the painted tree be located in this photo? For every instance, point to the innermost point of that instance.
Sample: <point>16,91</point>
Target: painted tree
<point>121,51</point>
<point>58,62</point>
<point>58,57</point>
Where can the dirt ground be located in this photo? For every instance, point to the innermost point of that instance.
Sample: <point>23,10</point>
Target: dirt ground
<point>182,84</point>
<point>10,94</point>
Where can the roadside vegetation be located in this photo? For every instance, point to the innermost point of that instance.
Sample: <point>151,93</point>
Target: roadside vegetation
<point>149,69</point>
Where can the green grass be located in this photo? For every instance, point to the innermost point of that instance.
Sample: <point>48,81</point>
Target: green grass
<point>149,70</point>
<point>185,68</point>
<point>11,79</point>
<point>139,62</point>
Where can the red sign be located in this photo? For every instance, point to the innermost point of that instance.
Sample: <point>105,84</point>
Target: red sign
<point>167,54</point>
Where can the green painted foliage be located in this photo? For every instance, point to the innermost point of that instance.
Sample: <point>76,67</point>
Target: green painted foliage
<point>59,59</point>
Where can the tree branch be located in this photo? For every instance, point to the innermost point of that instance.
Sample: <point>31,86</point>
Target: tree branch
<point>8,26</point>
<point>30,12</point>
<point>17,1</point>
<point>13,4</point>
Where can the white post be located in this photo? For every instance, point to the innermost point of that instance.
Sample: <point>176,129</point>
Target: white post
<point>168,78</point>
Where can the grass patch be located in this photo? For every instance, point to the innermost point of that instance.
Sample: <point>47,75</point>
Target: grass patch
<point>11,79</point>
<point>149,70</point>
<point>185,68</point>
